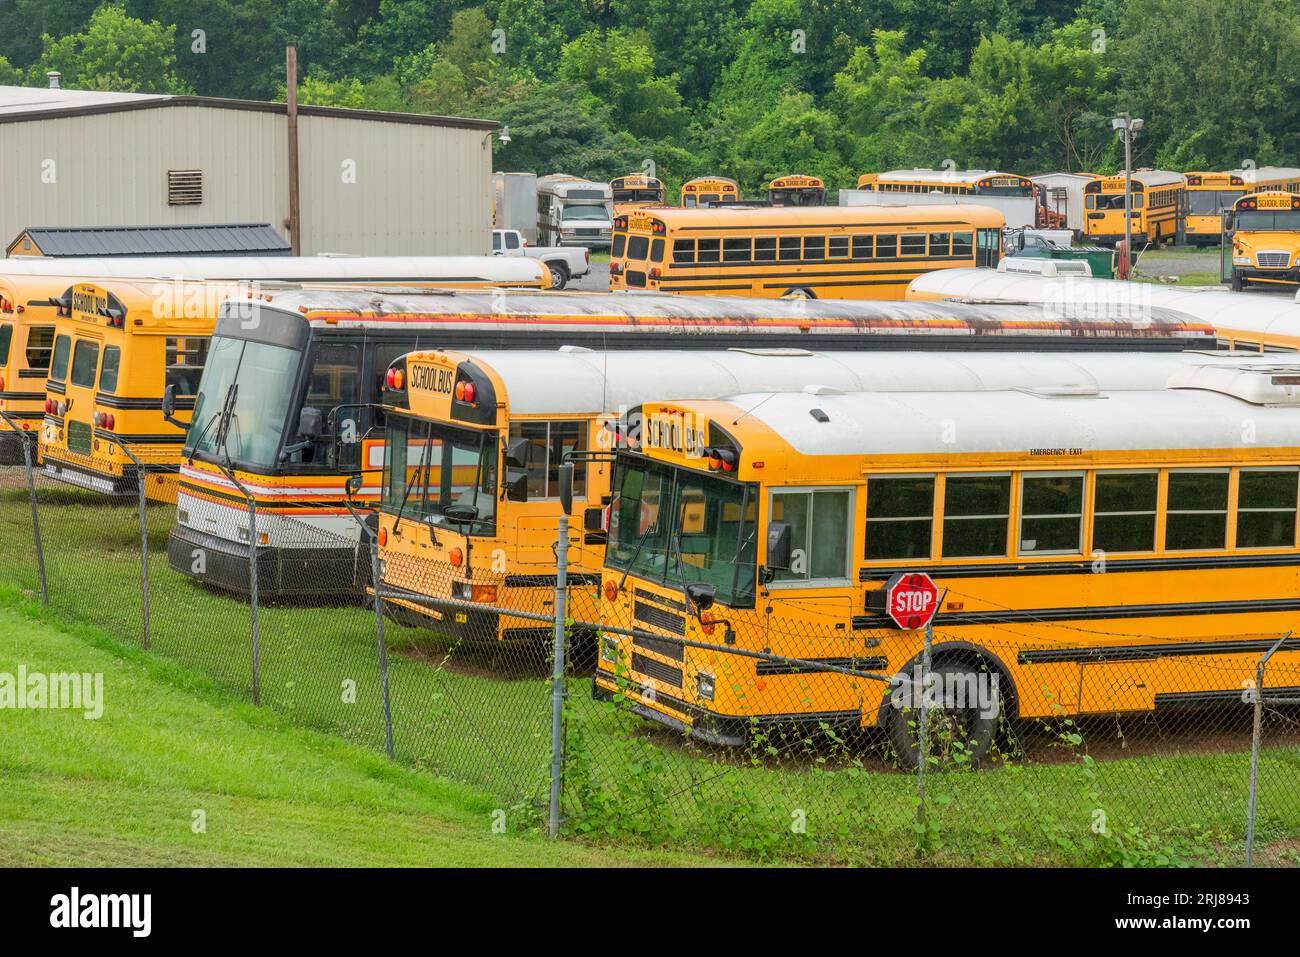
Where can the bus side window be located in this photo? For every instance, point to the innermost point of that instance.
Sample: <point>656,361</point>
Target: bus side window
<point>820,525</point>
<point>707,251</point>
<point>989,247</point>
<point>862,246</point>
<point>6,337</point>
<point>963,244</point>
<point>839,247</point>
<point>109,369</point>
<point>657,251</point>
<point>791,248</point>
<point>1124,511</point>
<point>683,250</point>
<point>976,513</point>
<point>814,247</point>
<point>765,249</point>
<point>40,346</point>
<point>900,516</point>
<point>1266,507</point>
<point>550,441</point>
<point>59,364</point>
<point>940,244</point>
<point>886,246</point>
<point>1196,515</point>
<point>911,244</point>
<point>737,250</point>
<point>186,357</point>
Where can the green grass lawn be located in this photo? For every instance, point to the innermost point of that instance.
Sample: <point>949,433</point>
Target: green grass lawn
<point>1165,794</point>
<point>123,790</point>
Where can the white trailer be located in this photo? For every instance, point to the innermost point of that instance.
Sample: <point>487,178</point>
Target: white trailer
<point>1018,210</point>
<point>514,203</point>
<point>1065,195</point>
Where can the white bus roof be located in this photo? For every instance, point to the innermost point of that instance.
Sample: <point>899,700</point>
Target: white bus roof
<point>549,314</point>
<point>1017,422</point>
<point>1265,173</point>
<point>961,176</point>
<point>284,268</point>
<point>568,381</point>
<point>1151,178</point>
<point>1238,313</point>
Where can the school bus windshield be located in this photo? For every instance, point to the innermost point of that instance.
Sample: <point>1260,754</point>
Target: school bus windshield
<point>676,527</point>
<point>1211,202</point>
<point>241,408</point>
<point>429,467</point>
<point>1268,220</point>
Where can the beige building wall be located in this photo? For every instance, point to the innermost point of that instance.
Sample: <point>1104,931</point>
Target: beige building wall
<point>367,187</point>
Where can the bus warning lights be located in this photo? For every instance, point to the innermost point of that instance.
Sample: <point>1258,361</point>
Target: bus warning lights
<point>465,391</point>
<point>723,460</point>
<point>104,420</point>
<point>394,379</point>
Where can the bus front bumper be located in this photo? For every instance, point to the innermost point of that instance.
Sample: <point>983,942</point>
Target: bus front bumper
<point>225,564</point>
<point>82,477</point>
<point>1277,275</point>
<point>702,724</point>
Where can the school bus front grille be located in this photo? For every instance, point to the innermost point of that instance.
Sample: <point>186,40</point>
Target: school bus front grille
<point>660,646</point>
<point>656,669</point>
<point>1273,260</point>
<point>658,618</point>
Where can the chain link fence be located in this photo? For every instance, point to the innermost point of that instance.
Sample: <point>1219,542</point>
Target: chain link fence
<point>455,674</point>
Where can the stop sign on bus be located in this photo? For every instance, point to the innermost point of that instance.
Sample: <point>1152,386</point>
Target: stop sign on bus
<point>911,599</point>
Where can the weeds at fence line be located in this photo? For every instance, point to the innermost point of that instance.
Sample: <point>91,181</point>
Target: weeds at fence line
<point>1146,790</point>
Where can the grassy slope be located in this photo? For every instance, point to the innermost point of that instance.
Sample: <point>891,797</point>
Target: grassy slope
<point>122,790</point>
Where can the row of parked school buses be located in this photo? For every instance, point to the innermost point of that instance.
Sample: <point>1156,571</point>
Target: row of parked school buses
<point>750,475</point>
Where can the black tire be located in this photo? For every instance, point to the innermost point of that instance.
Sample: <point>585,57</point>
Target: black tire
<point>975,730</point>
<point>798,292</point>
<point>559,275</point>
<point>1238,283</point>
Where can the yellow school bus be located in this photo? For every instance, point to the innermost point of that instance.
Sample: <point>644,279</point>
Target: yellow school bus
<point>797,190</point>
<point>959,182</point>
<point>636,191</point>
<point>1157,208</point>
<point>27,318</point>
<point>1210,195</point>
<point>709,189</point>
<point>498,425</point>
<point>836,252</point>
<point>117,346</point>
<point>1264,231</point>
<point>1088,564</point>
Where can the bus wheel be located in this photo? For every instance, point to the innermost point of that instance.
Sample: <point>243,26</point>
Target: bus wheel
<point>1238,281</point>
<point>962,718</point>
<point>798,292</point>
<point>559,275</point>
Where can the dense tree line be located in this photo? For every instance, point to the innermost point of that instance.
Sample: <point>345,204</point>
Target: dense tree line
<point>747,88</point>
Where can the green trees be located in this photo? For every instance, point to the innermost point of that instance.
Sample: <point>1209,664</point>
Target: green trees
<point>114,52</point>
<point>747,88</point>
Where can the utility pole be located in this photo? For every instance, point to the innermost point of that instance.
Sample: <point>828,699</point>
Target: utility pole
<point>291,99</point>
<point>1127,126</point>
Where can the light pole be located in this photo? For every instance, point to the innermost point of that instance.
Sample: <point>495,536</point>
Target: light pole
<point>1127,126</point>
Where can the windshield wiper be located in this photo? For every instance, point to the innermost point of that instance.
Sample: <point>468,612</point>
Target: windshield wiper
<point>423,469</point>
<point>636,552</point>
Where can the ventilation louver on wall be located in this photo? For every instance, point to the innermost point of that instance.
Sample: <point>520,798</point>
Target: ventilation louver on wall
<point>184,187</point>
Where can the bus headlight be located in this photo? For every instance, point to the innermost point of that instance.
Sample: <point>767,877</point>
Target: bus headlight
<point>1241,260</point>
<point>608,650</point>
<point>704,685</point>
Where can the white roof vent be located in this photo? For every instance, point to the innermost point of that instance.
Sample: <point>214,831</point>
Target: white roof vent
<point>775,353</point>
<point>574,349</point>
<point>1049,268</point>
<point>815,389</point>
<point>1258,385</point>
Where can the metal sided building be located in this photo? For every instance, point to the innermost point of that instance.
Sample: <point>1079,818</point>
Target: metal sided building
<point>370,183</point>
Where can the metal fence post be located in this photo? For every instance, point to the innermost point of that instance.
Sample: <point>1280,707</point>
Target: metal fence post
<point>31,492</point>
<point>557,672</point>
<point>1254,749</point>
<point>923,743</point>
<point>383,643</point>
<point>252,600</point>
<point>144,540</point>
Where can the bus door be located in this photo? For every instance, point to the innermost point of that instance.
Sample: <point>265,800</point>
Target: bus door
<point>83,374</point>
<point>988,247</point>
<point>1225,245</point>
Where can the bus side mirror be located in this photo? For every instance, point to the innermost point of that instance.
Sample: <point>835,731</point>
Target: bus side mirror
<point>593,520</point>
<point>702,595</point>
<point>309,423</point>
<point>516,485</point>
<point>169,401</point>
<point>566,487</point>
<point>778,546</point>
<point>519,453</point>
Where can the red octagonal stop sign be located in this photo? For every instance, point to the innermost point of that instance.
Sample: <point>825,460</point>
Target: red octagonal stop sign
<point>911,599</point>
